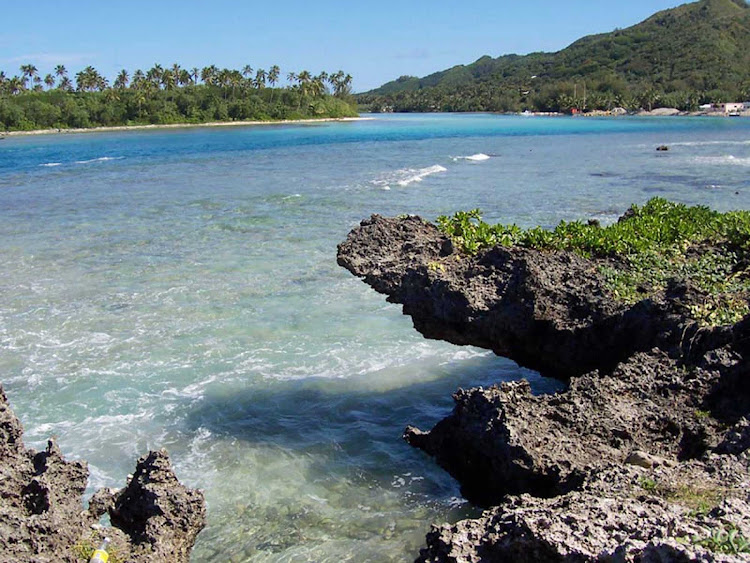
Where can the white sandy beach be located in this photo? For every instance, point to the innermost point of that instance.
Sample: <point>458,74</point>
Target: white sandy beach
<point>178,126</point>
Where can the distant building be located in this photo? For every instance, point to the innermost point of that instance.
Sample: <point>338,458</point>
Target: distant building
<point>746,106</point>
<point>706,107</point>
<point>731,107</point>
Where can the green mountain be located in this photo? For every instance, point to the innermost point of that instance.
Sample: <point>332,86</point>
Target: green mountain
<point>695,53</point>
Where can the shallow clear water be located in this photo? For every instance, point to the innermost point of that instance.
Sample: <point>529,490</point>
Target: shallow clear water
<point>179,289</point>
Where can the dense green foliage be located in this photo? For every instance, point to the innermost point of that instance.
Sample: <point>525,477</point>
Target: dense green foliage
<point>694,54</point>
<point>648,247</point>
<point>171,95</point>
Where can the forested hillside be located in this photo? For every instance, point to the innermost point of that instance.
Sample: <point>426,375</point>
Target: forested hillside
<point>695,53</point>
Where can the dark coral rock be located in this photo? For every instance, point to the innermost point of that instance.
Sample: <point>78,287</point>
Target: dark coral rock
<point>42,517</point>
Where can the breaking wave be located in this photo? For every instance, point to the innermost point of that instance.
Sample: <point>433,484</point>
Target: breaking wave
<point>421,174</point>
<point>100,159</point>
<point>479,157</point>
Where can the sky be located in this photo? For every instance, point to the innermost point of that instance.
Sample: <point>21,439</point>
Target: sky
<point>374,41</point>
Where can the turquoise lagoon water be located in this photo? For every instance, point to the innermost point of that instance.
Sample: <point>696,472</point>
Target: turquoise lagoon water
<point>179,289</point>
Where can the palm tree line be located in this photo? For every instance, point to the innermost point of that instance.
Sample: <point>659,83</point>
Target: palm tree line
<point>169,78</point>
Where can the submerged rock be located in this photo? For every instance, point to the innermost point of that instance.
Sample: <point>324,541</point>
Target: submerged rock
<point>155,518</point>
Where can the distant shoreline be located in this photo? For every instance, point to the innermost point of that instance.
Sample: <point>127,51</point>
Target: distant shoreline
<point>176,126</point>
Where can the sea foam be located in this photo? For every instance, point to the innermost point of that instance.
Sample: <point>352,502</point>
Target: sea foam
<point>50,164</point>
<point>725,160</point>
<point>100,159</point>
<point>479,157</point>
<point>421,174</point>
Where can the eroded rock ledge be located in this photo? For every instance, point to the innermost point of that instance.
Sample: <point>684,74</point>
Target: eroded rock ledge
<point>42,519</point>
<point>642,458</point>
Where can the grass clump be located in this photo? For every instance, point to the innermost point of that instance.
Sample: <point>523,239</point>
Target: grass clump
<point>649,246</point>
<point>729,541</point>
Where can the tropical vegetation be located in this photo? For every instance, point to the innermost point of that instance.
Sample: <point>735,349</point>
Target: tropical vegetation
<point>164,95</point>
<point>641,253</point>
<point>691,55</point>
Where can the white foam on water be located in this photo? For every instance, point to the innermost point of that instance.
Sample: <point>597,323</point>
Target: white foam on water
<point>421,174</point>
<point>479,157</point>
<point>707,143</point>
<point>50,164</point>
<point>100,159</point>
<point>724,160</point>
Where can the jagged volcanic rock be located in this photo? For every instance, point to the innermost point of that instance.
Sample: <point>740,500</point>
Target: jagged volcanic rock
<point>612,519</point>
<point>42,519</point>
<point>505,440</point>
<point>647,446</point>
<point>548,311</point>
<point>161,516</point>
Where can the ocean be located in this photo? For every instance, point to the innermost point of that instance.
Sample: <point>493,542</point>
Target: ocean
<point>179,288</point>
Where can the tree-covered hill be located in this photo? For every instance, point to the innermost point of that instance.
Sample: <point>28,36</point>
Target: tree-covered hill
<point>692,54</point>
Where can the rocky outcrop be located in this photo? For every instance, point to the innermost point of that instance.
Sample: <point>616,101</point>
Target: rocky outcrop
<point>504,440</point>
<point>549,311</point>
<point>603,523</point>
<point>42,518</point>
<point>643,458</point>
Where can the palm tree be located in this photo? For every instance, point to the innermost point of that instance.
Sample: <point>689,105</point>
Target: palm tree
<point>65,84</point>
<point>303,82</point>
<point>177,72</point>
<point>29,72</point>
<point>273,78</point>
<point>247,71</point>
<point>336,80</point>
<point>89,79</point>
<point>323,78</point>
<point>49,80</point>
<point>260,79</point>
<point>61,71</point>
<point>346,85</point>
<point>168,79</point>
<point>234,77</point>
<point>317,87</point>
<point>138,79</point>
<point>16,85</point>
<point>292,77</point>
<point>121,82</point>
<point>209,75</point>
<point>195,73</point>
<point>155,74</point>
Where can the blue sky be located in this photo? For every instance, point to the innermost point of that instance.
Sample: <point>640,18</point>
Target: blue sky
<point>373,41</point>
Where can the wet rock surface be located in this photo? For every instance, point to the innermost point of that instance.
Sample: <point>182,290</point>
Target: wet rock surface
<point>42,518</point>
<point>643,458</point>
